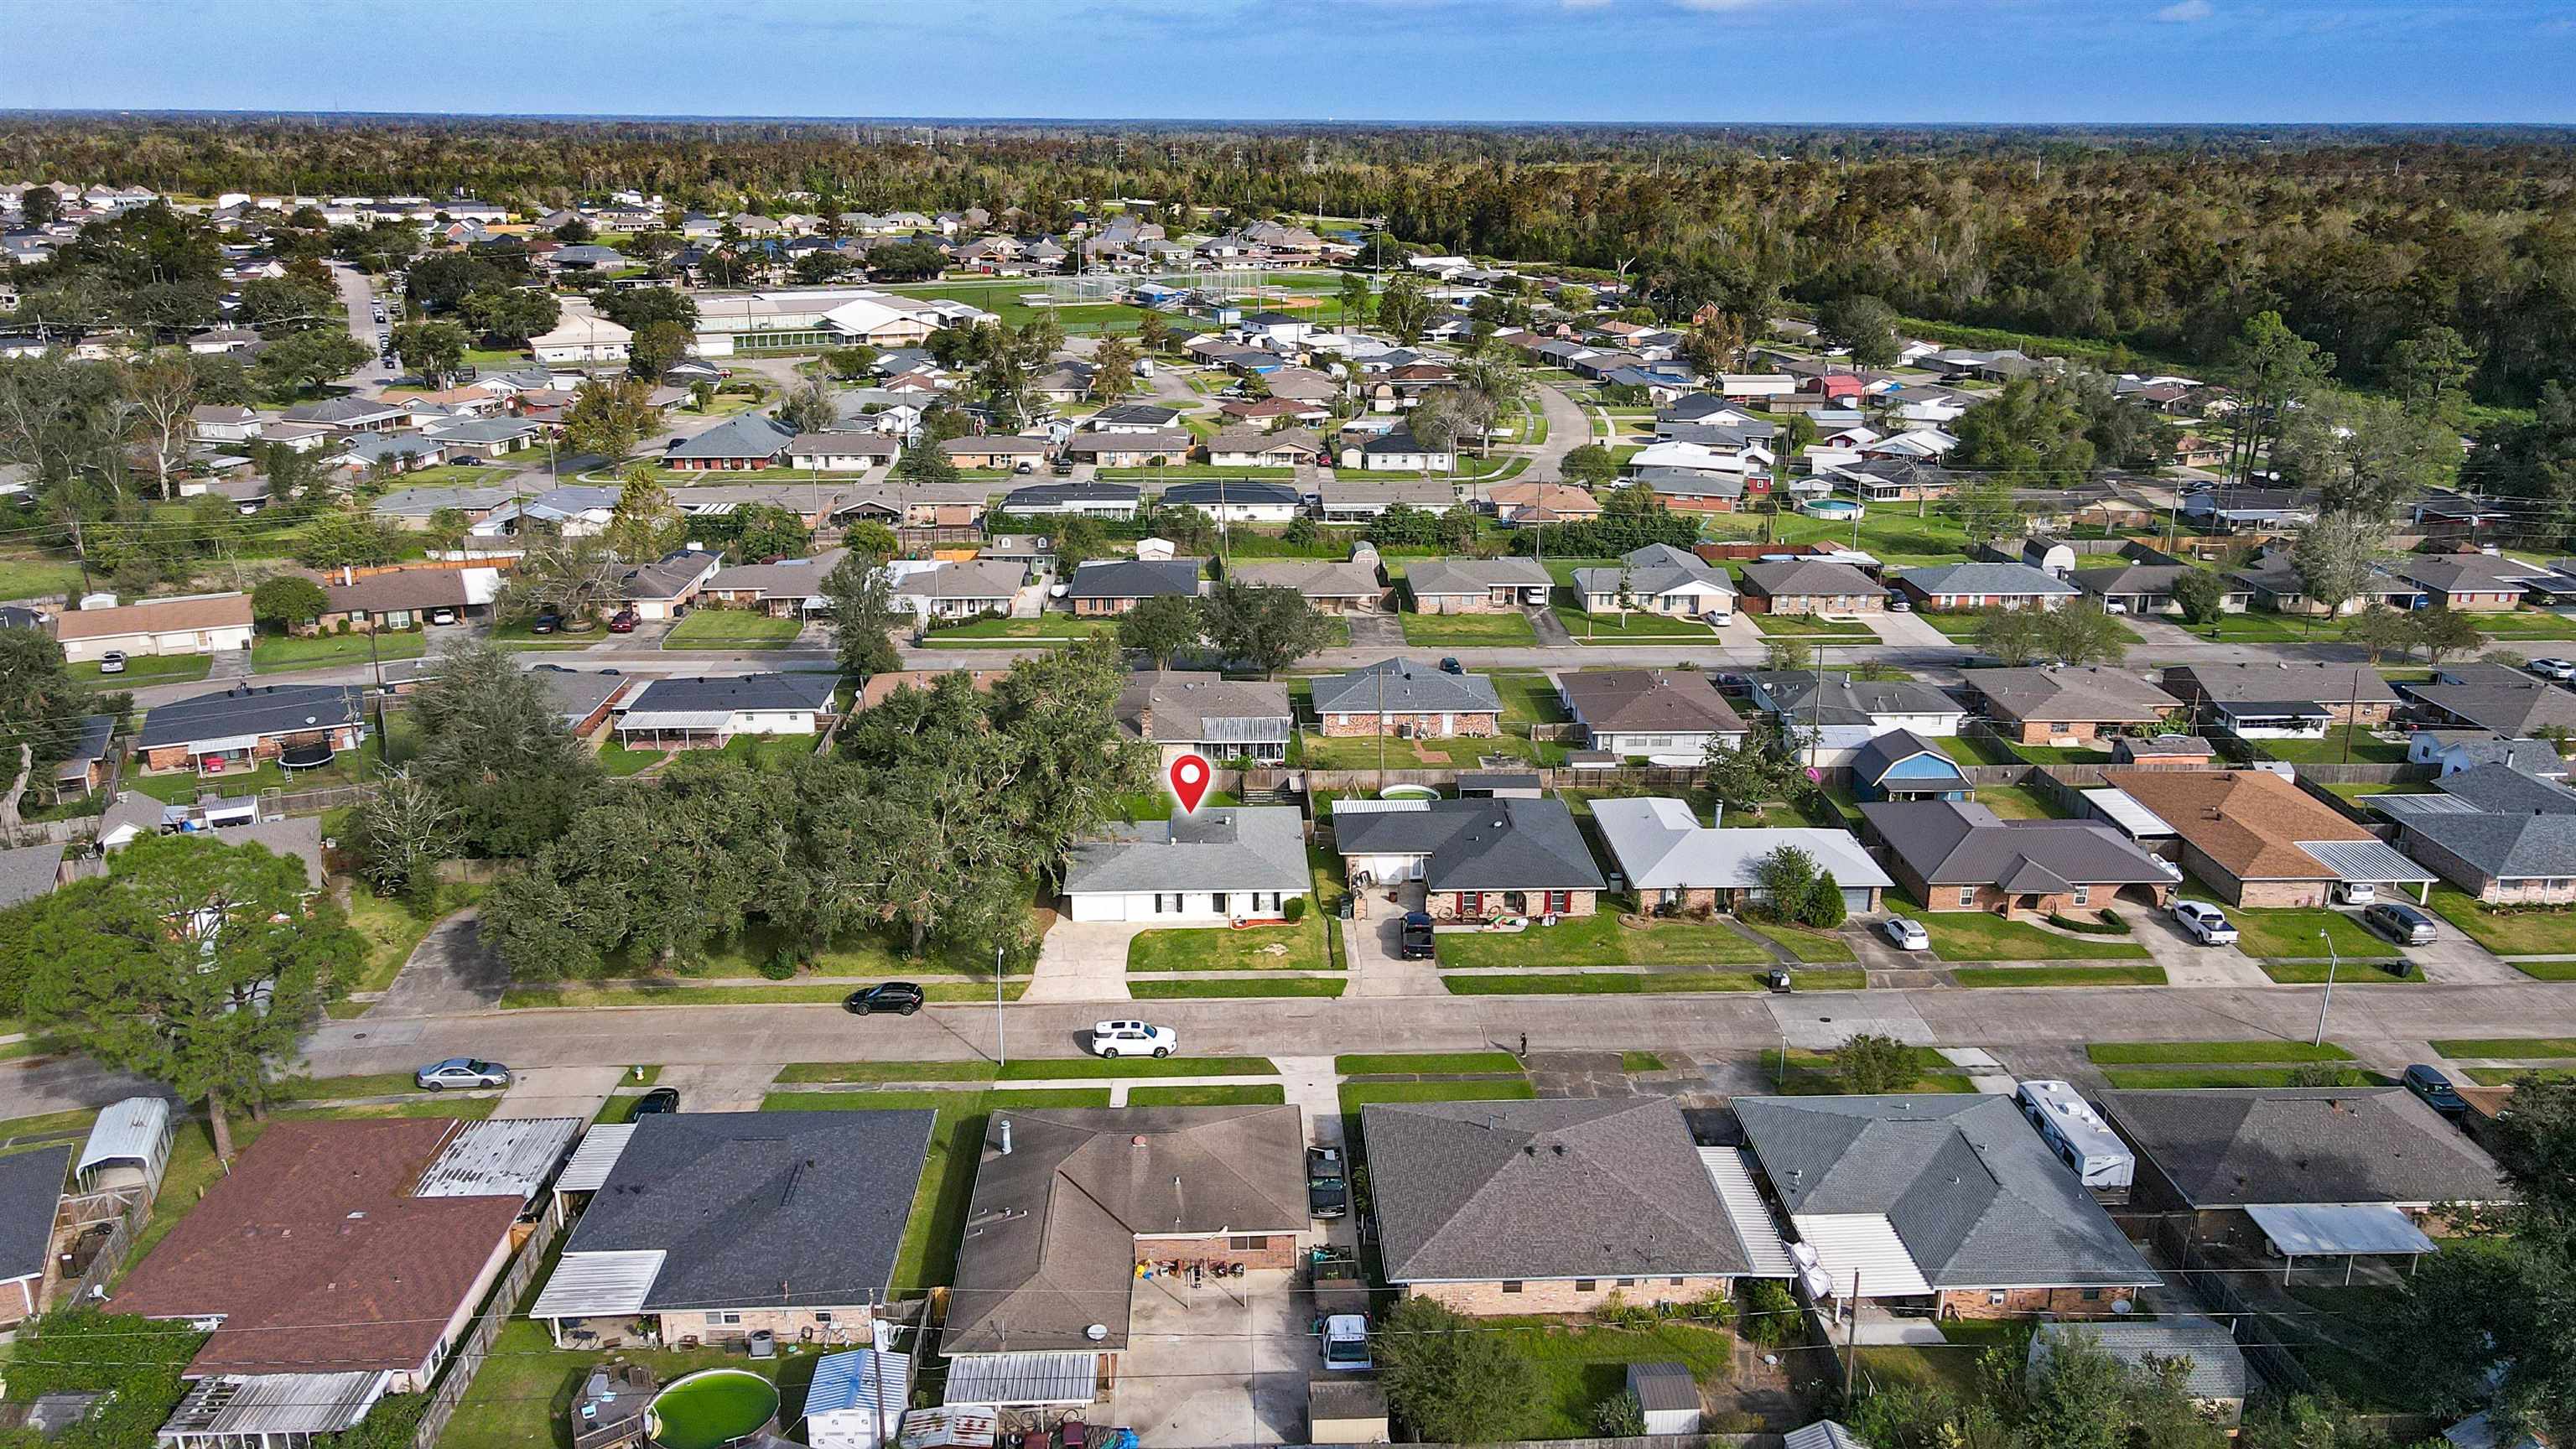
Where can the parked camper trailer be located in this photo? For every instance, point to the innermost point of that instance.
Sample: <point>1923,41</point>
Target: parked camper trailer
<point>2079,1137</point>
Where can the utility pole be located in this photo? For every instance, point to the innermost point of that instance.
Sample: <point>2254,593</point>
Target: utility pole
<point>1851,1337</point>
<point>2332,961</point>
<point>378,664</point>
<point>1001,1048</point>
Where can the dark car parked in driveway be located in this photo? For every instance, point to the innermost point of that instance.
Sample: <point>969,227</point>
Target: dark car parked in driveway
<point>2434,1086</point>
<point>658,1100</point>
<point>2400,923</point>
<point>1413,938</point>
<point>900,997</point>
<point>1328,1183</point>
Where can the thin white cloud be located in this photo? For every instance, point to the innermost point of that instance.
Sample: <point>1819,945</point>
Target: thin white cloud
<point>1583,4</point>
<point>2184,12</point>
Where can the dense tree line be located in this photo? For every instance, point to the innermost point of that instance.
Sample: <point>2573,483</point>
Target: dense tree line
<point>2166,241</point>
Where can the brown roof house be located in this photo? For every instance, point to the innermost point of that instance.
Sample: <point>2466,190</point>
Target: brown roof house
<point>2062,707</point>
<point>2286,1173</point>
<point>1190,712</point>
<point>1957,856</point>
<point>1810,586</point>
<point>2282,700</point>
<point>1650,711</point>
<point>2258,840</point>
<point>339,1246</point>
<point>1335,586</point>
<point>1552,1206</point>
<point>194,624</point>
<point>408,598</point>
<point>1069,1201</point>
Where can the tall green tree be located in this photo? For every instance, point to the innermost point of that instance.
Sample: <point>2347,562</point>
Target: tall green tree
<point>494,750</point>
<point>1450,1380</point>
<point>1161,627</point>
<point>193,963</point>
<point>1266,628</point>
<point>865,615</point>
<point>1864,324</point>
<point>1404,307</point>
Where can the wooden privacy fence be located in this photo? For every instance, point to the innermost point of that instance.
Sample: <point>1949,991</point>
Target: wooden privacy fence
<point>476,1346</point>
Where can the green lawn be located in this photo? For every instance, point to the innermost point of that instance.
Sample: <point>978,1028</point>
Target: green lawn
<point>1977,750</point>
<point>765,752</point>
<point>1181,990</point>
<point>2507,933</point>
<point>1600,940</point>
<point>2015,802</point>
<point>275,653</point>
<point>1348,752</point>
<point>2330,748</point>
<point>2060,975</point>
<point>180,786</point>
<point>731,629</point>
<point>1466,631</point>
<point>2507,1048</point>
<point>2152,1053</point>
<point>1528,699</point>
<point>1953,1368</point>
<point>1580,1365</point>
<point>969,1071</point>
<point>2294,933</point>
<point>985,632</point>
<point>23,576</point>
<point>1801,625</point>
<point>1639,627</point>
<point>1977,936</point>
<point>1810,1073</point>
<point>1640,1062</point>
<point>1064,1069</point>
<point>784,994</point>
<point>1637,983</point>
<point>147,669</point>
<point>2150,1078</point>
<point>2349,973</point>
<point>392,928</point>
<point>1356,1095</point>
<point>1804,944</point>
<point>929,1255</point>
<point>527,1382</point>
<point>1362,1064</point>
<point>2547,970</point>
<point>519,636</point>
<point>1213,1096</point>
<point>1219,948</point>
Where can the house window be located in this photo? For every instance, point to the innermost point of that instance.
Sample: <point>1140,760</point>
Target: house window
<point>722,1319</point>
<point>1586,1285</point>
<point>1967,895</point>
<point>1471,903</point>
<point>1511,1287</point>
<point>1995,1297</point>
<point>822,1315</point>
<point>1216,902</point>
<point>2092,1295</point>
<point>1675,1282</point>
<point>1247,1243</point>
<point>1627,1282</point>
<point>1561,902</point>
<point>2084,895</point>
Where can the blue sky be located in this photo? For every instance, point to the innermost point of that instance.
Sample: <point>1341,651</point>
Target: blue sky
<point>1432,60</point>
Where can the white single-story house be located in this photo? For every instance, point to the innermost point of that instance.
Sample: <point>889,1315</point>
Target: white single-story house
<point>1221,864</point>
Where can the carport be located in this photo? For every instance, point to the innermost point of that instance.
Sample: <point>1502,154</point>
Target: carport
<point>2346,1230</point>
<point>1034,1380</point>
<point>2368,862</point>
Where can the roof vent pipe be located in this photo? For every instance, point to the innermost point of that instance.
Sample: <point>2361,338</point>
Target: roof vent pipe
<point>1006,1137</point>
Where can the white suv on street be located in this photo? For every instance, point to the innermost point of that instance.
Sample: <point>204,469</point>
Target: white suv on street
<point>1132,1039</point>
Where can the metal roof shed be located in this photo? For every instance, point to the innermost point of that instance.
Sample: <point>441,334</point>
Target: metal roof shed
<point>2345,1230</point>
<point>501,1157</point>
<point>595,1158</point>
<point>857,1399</point>
<point>1023,1380</point>
<point>597,1285</point>
<point>271,1411</point>
<point>127,1148</point>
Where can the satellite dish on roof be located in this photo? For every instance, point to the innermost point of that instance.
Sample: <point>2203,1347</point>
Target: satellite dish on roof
<point>1099,1332</point>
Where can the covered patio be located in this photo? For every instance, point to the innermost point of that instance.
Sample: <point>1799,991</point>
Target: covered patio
<point>2351,1231</point>
<point>2368,862</point>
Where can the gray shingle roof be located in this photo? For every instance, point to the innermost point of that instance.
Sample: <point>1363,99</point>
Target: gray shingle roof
<point>2224,1149</point>
<point>2093,693</point>
<point>1948,842</point>
<point>1405,686</point>
<point>1801,577</point>
<point>1585,1188</point>
<point>1985,579</point>
<point>28,871</point>
<point>1444,576</point>
<point>31,1188</point>
<point>1314,578</point>
<point>1134,578</point>
<point>1969,1188</point>
<point>752,435</point>
<point>1844,700</point>
<point>1195,707</point>
<point>1237,848</point>
<point>1509,844</point>
<point>250,710</point>
<point>2263,683</point>
<point>735,693</point>
<point>1658,568</point>
<point>1648,700</point>
<point>803,1208</point>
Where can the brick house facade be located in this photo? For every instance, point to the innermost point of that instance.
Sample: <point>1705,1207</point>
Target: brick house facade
<point>2030,1302</point>
<point>846,1323</point>
<point>2519,891</point>
<point>1564,1295</point>
<point>1494,905</point>
<point>1441,726</point>
<point>266,748</point>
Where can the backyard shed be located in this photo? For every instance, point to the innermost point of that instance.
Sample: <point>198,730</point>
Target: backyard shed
<point>1346,1411</point>
<point>857,1398</point>
<point>1667,1395</point>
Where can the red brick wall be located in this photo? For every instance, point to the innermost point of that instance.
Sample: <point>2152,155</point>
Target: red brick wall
<point>1446,905</point>
<point>1459,726</point>
<point>2026,1302</point>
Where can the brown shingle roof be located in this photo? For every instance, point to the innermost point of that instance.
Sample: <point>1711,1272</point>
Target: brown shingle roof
<point>412,589</point>
<point>2248,821</point>
<point>211,611</point>
<point>1678,700</point>
<point>317,1257</point>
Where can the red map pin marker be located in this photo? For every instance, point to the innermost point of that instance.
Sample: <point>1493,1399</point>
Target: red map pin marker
<point>1190,775</point>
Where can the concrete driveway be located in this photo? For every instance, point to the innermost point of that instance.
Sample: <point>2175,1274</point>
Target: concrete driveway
<point>1370,943</point>
<point>558,1091</point>
<point>1224,1363</point>
<point>450,972</point>
<point>2186,961</point>
<point>1910,630</point>
<point>1083,961</point>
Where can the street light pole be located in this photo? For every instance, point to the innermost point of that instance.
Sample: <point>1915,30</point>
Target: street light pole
<point>1001,1048</point>
<point>2326,1005</point>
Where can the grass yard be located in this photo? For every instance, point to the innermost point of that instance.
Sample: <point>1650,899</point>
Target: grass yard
<point>530,998</point>
<point>1600,940</point>
<point>2507,933</point>
<point>731,629</point>
<point>2547,970</point>
<point>1064,1069</point>
<point>1638,628</point>
<point>1528,699</point>
<point>1977,750</point>
<point>1804,944</point>
<point>526,1380</point>
<point>2349,973</point>
<point>1050,628</point>
<point>1976,936</point>
<point>1184,990</point>
<point>1350,752</point>
<point>2015,802</point>
<point>1810,1073</point>
<point>1980,976</point>
<point>178,787</point>
<point>2169,1053</point>
<point>1637,983</point>
<point>1640,1062</point>
<point>1298,947</point>
<point>970,1071</point>
<point>1466,631</point>
<point>929,1255</point>
<point>1953,1368</point>
<point>1802,626</point>
<point>2507,1048</point>
<point>392,928</point>
<point>520,636</point>
<point>1210,1096</point>
<point>1356,1095</point>
<point>24,576</point>
<point>2133,1078</point>
<point>2329,748</point>
<point>1363,1064</point>
<point>277,653</point>
<point>1580,1365</point>
<point>147,669</point>
<point>2293,933</point>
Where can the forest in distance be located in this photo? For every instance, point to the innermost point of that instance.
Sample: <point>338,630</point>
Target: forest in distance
<point>2159,241</point>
